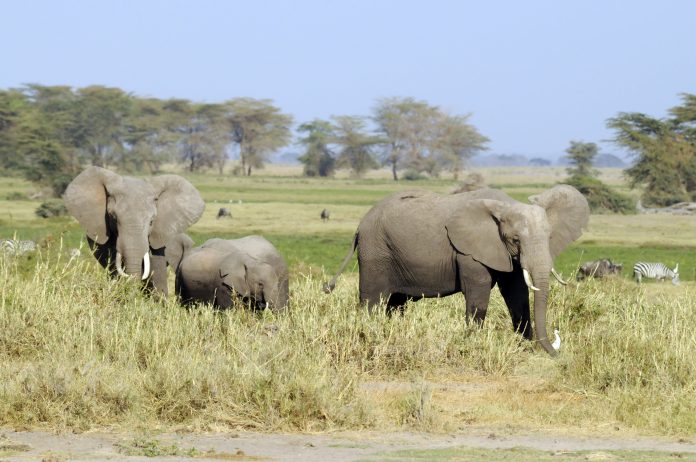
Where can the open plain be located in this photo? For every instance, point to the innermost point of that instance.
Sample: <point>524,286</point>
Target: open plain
<point>135,377</point>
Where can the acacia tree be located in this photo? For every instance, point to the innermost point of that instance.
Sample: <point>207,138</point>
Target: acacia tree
<point>581,156</point>
<point>356,146</point>
<point>408,127</point>
<point>203,133</point>
<point>258,128</point>
<point>318,159</point>
<point>457,141</point>
<point>665,157</point>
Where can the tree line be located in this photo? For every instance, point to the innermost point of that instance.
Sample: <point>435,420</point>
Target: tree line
<point>48,133</point>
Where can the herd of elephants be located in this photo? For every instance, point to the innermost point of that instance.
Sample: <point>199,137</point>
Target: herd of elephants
<point>410,245</point>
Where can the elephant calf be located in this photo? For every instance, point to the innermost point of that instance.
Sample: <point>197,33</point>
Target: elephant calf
<point>218,271</point>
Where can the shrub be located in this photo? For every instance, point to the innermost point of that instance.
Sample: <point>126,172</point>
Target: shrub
<point>51,208</point>
<point>600,197</point>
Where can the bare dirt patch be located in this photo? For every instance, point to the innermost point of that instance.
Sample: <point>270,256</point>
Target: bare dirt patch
<point>343,446</point>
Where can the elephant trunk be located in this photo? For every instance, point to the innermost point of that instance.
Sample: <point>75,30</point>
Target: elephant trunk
<point>539,265</point>
<point>136,261</point>
<point>541,280</point>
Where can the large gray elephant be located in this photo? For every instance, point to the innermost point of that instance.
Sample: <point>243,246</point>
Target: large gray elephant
<point>250,268</point>
<point>129,220</point>
<point>417,244</point>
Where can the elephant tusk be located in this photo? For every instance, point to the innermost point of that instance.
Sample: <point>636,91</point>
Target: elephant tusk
<point>146,265</point>
<point>528,280</point>
<point>119,264</point>
<point>558,276</point>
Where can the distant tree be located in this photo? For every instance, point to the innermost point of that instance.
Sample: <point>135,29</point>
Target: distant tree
<point>100,116</point>
<point>150,137</point>
<point>665,157</point>
<point>456,141</point>
<point>318,159</point>
<point>204,133</point>
<point>258,128</point>
<point>356,146</point>
<point>600,197</point>
<point>581,156</point>
<point>408,126</point>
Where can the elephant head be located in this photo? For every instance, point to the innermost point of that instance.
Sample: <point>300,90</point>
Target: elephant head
<point>133,217</point>
<point>250,280</point>
<point>499,233</point>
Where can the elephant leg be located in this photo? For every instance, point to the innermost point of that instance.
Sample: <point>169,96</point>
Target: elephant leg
<point>516,295</point>
<point>105,254</point>
<point>476,283</point>
<point>374,289</point>
<point>397,303</point>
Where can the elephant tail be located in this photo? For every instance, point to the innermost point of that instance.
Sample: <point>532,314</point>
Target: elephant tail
<point>331,285</point>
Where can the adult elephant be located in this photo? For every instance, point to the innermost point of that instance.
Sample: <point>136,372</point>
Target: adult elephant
<point>250,268</point>
<point>129,220</point>
<point>418,244</point>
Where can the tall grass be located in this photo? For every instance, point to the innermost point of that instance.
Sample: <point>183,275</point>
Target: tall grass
<point>81,350</point>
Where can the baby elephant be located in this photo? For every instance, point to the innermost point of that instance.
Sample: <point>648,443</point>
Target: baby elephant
<point>218,271</point>
<point>598,269</point>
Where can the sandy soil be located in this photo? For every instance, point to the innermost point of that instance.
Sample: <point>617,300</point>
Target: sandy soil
<point>345,446</point>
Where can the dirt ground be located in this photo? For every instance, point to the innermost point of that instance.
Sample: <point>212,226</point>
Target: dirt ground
<point>246,446</point>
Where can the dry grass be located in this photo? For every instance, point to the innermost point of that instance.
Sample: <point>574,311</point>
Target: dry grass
<point>81,351</point>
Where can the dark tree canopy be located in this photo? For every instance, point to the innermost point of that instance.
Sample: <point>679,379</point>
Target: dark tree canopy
<point>664,151</point>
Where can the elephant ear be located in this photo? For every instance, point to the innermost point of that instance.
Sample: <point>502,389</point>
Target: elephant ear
<point>176,248</point>
<point>179,205</point>
<point>568,214</point>
<point>473,230</point>
<point>85,199</point>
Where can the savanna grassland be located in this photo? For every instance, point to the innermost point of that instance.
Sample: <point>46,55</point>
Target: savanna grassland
<point>80,350</point>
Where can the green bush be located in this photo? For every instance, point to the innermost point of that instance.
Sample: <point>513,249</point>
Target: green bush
<point>51,208</point>
<point>600,197</point>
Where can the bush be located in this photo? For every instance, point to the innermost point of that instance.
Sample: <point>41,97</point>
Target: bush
<point>51,208</point>
<point>600,197</point>
<point>413,175</point>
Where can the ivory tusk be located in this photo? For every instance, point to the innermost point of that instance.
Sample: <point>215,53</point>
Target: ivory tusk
<point>558,276</point>
<point>146,265</point>
<point>119,264</point>
<point>528,280</point>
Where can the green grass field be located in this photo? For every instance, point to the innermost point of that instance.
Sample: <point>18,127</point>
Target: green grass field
<point>82,351</point>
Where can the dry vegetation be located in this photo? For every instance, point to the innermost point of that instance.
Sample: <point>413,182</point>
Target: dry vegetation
<point>79,350</point>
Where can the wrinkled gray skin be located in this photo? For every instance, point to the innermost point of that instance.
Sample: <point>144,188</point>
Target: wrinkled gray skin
<point>132,217</point>
<point>598,269</point>
<point>418,244</point>
<point>250,268</point>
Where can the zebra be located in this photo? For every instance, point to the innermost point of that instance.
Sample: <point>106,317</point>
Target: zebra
<point>657,271</point>
<point>17,247</point>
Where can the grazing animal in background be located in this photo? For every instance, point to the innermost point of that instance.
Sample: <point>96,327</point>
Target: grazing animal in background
<point>224,212</point>
<point>598,269</point>
<point>17,247</point>
<point>220,270</point>
<point>325,214</point>
<point>658,271</point>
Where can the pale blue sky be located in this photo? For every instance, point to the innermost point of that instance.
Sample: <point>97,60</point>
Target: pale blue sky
<point>535,74</point>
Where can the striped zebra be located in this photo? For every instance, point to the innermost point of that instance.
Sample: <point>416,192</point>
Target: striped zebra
<point>16,247</point>
<point>657,271</point>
